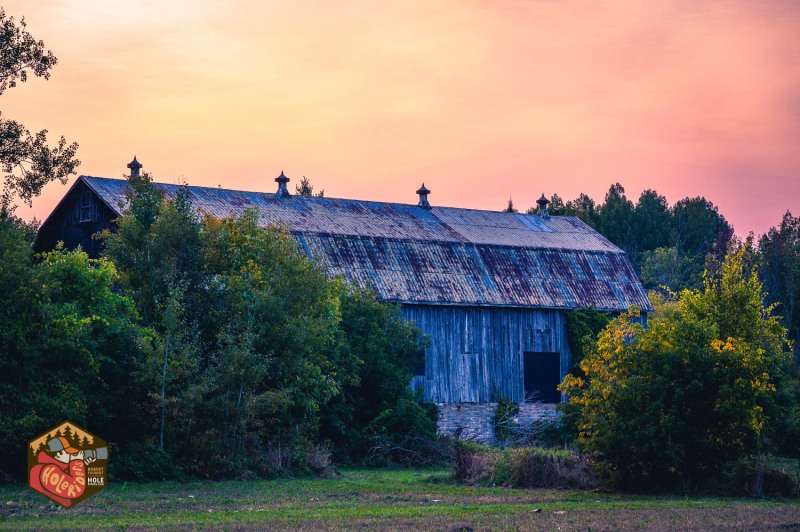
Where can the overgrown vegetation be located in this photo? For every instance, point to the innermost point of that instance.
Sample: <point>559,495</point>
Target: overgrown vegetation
<point>204,348</point>
<point>708,383</point>
<point>521,467</point>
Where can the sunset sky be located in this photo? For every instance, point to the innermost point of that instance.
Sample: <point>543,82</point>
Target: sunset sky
<point>481,100</point>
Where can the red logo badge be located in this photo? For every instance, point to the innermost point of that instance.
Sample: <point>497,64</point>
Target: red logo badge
<point>67,464</point>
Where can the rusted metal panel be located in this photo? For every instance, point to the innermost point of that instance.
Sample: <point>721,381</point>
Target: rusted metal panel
<point>438,256</point>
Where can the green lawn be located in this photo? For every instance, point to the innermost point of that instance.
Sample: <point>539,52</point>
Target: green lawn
<point>393,499</point>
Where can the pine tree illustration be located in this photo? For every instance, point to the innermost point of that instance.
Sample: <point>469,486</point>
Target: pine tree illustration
<point>68,434</point>
<point>85,443</point>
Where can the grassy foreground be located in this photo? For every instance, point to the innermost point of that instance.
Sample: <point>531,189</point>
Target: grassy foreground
<point>386,499</point>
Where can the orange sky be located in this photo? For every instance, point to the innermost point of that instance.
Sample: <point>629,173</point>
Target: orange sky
<point>481,100</point>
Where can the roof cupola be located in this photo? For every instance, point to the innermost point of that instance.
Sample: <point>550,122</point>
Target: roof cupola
<point>543,202</point>
<point>423,197</point>
<point>283,191</point>
<point>135,166</point>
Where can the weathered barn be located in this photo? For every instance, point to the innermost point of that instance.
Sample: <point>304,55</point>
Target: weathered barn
<point>489,288</point>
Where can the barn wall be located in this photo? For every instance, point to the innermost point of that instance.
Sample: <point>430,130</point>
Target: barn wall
<point>475,350</point>
<point>80,215</point>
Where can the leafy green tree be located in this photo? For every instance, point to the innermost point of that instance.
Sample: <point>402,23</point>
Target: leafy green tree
<point>64,331</point>
<point>380,350</point>
<point>617,220</point>
<point>510,207</point>
<point>652,222</point>
<point>27,162</point>
<point>665,270</point>
<point>157,248</point>
<point>294,302</point>
<point>670,405</point>
<point>779,268</point>
<point>584,208</point>
<point>699,228</point>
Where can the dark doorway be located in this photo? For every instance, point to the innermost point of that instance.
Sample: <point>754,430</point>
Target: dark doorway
<point>542,375</point>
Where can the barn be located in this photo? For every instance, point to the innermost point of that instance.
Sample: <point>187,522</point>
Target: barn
<point>490,289</point>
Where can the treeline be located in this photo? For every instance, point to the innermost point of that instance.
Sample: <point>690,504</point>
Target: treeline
<point>671,246</point>
<point>200,347</point>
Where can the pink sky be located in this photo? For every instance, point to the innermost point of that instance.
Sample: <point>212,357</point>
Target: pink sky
<point>481,100</point>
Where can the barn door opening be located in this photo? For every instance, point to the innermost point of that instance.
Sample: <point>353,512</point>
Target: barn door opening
<point>542,374</point>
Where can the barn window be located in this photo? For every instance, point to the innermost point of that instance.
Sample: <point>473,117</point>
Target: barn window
<point>542,374</point>
<point>419,364</point>
<point>85,208</point>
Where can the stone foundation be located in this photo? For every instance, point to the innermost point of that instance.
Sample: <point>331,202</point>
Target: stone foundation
<point>475,421</point>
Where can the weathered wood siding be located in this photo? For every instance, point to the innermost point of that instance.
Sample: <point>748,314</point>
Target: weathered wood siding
<point>475,350</point>
<point>79,216</point>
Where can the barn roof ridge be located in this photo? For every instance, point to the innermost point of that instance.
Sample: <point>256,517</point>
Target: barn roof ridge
<point>330,198</point>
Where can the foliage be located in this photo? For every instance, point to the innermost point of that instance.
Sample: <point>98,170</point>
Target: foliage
<point>255,354</point>
<point>521,467</point>
<point>779,270</point>
<point>378,348</point>
<point>305,188</point>
<point>583,326</point>
<point>510,207</point>
<point>617,219</point>
<point>664,269</point>
<point>27,162</point>
<point>64,332</point>
<point>504,414</point>
<point>671,405</point>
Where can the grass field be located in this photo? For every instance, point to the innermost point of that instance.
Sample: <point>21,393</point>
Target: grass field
<point>385,499</point>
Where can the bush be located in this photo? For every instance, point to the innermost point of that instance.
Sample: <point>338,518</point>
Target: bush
<point>673,405</point>
<point>143,462</point>
<point>533,467</point>
<point>763,476</point>
<point>521,467</point>
<point>471,462</point>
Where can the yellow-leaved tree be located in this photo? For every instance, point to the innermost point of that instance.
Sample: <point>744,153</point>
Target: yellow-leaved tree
<point>705,384</point>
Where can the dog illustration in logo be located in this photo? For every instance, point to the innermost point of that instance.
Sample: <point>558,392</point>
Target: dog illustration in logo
<point>60,473</point>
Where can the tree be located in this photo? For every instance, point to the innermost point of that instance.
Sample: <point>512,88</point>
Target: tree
<point>617,221</point>
<point>664,268</point>
<point>380,350</point>
<point>652,222</point>
<point>305,188</point>
<point>584,208</point>
<point>65,337</point>
<point>510,207</point>
<point>699,228</point>
<point>779,269</point>
<point>671,405</point>
<point>27,162</point>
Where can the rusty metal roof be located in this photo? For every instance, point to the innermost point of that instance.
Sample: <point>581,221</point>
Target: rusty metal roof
<point>442,255</point>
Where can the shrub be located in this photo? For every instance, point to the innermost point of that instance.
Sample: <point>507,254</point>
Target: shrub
<point>521,467</point>
<point>671,406</point>
<point>505,428</point>
<point>471,461</point>
<point>533,467</point>
<point>762,476</point>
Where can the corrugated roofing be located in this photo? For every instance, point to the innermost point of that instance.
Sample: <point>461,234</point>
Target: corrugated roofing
<point>441,255</point>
